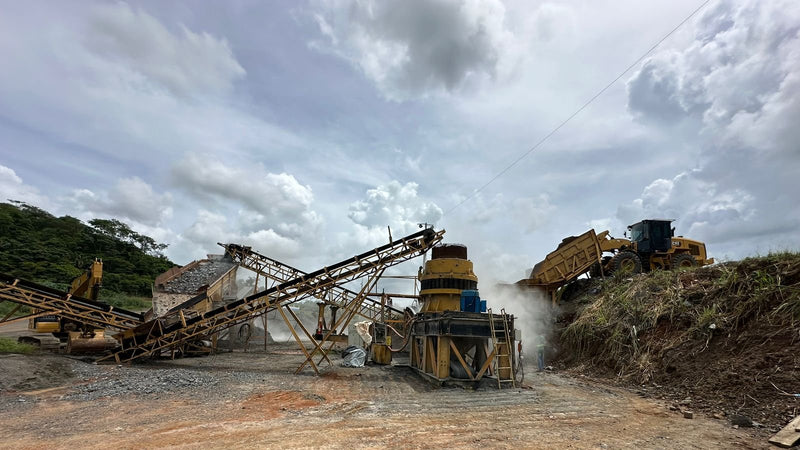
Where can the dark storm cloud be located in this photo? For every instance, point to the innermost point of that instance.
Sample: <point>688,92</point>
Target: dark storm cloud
<point>412,47</point>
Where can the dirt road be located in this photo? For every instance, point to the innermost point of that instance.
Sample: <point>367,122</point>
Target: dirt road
<point>239,400</point>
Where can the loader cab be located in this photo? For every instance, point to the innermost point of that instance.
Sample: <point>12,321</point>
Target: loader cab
<point>652,236</point>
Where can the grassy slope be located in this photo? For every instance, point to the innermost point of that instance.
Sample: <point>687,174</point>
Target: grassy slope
<point>729,331</point>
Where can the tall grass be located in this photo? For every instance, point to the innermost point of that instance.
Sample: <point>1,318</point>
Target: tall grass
<point>634,320</point>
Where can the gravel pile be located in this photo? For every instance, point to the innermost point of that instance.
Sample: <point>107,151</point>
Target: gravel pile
<point>200,276</point>
<point>119,381</point>
<point>91,382</point>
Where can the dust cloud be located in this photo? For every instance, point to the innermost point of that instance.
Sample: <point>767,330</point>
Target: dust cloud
<point>532,311</point>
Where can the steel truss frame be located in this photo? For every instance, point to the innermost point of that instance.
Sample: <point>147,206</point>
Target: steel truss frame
<point>154,337</point>
<point>278,272</point>
<point>350,311</point>
<point>51,301</point>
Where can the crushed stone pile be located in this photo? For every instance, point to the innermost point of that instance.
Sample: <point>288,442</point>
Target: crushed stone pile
<point>120,381</point>
<point>194,280</point>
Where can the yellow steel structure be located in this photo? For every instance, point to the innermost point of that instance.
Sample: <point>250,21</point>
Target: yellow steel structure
<point>443,277</point>
<point>52,301</point>
<point>451,345</point>
<point>276,272</point>
<point>88,282</point>
<point>157,336</point>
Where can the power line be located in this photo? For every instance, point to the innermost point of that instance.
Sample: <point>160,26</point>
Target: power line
<point>578,111</point>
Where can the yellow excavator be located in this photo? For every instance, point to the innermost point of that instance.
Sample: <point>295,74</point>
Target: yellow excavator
<point>79,337</point>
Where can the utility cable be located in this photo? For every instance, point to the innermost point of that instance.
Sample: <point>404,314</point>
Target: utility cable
<point>578,111</point>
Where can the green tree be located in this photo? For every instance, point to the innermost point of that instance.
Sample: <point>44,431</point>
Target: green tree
<point>37,246</point>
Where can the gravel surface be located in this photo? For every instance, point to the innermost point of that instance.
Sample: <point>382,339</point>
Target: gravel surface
<point>87,381</point>
<point>120,381</point>
<point>253,400</point>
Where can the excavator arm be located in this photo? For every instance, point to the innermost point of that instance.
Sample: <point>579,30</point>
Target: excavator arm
<point>88,284</point>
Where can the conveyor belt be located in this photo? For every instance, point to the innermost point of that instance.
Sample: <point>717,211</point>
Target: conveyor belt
<point>63,304</point>
<point>156,336</point>
<point>278,272</point>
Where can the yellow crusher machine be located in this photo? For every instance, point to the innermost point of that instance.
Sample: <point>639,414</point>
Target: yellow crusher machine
<point>453,337</point>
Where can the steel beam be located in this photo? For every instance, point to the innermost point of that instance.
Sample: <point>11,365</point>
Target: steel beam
<point>163,338</point>
<point>63,304</point>
<point>278,272</point>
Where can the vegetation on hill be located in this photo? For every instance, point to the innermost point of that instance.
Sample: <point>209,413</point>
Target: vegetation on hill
<point>725,335</point>
<point>37,246</point>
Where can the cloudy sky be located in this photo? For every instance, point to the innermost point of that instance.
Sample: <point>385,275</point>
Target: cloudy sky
<point>305,128</point>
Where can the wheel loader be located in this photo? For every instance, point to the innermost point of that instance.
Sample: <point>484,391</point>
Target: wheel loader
<point>652,244</point>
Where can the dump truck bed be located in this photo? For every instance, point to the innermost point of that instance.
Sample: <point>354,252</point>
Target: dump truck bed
<point>573,257</point>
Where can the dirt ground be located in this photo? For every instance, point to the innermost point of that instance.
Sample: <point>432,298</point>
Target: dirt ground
<point>246,400</point>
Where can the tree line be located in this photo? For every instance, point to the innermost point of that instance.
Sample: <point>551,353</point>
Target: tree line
<point>37,246</point>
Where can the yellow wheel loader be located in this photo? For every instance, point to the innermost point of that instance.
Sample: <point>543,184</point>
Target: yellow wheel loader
<point>652,245</point>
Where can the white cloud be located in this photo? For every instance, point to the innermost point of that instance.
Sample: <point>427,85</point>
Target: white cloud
<point>131,199</point>
<point>414,48</point>
<point>113,83</point>
<point>13,188</point>
<point>279,247</point>
<point>252,206</point>
<point>739,81</point>
<point>185,63</point>
<point>692,200</point>
<point>265,200</point>
<point>532,212</point>
<point>111,91</point>
<point>394,204</point>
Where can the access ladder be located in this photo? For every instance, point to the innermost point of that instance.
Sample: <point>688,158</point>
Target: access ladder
<point>503,350</point>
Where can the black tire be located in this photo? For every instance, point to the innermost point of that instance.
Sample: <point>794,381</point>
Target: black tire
<point>599,269</point>
<point>683,261</point>
<point>627,263</point>
<point>595,270</point>
<point>245,333</point>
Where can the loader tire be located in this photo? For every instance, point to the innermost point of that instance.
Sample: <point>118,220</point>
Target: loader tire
<point>627,263</point>
<point>600,269</point>
<point>683,260</point>
<point>595,271</point>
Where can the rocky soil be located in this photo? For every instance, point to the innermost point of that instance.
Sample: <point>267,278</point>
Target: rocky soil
<point>252,400</point>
